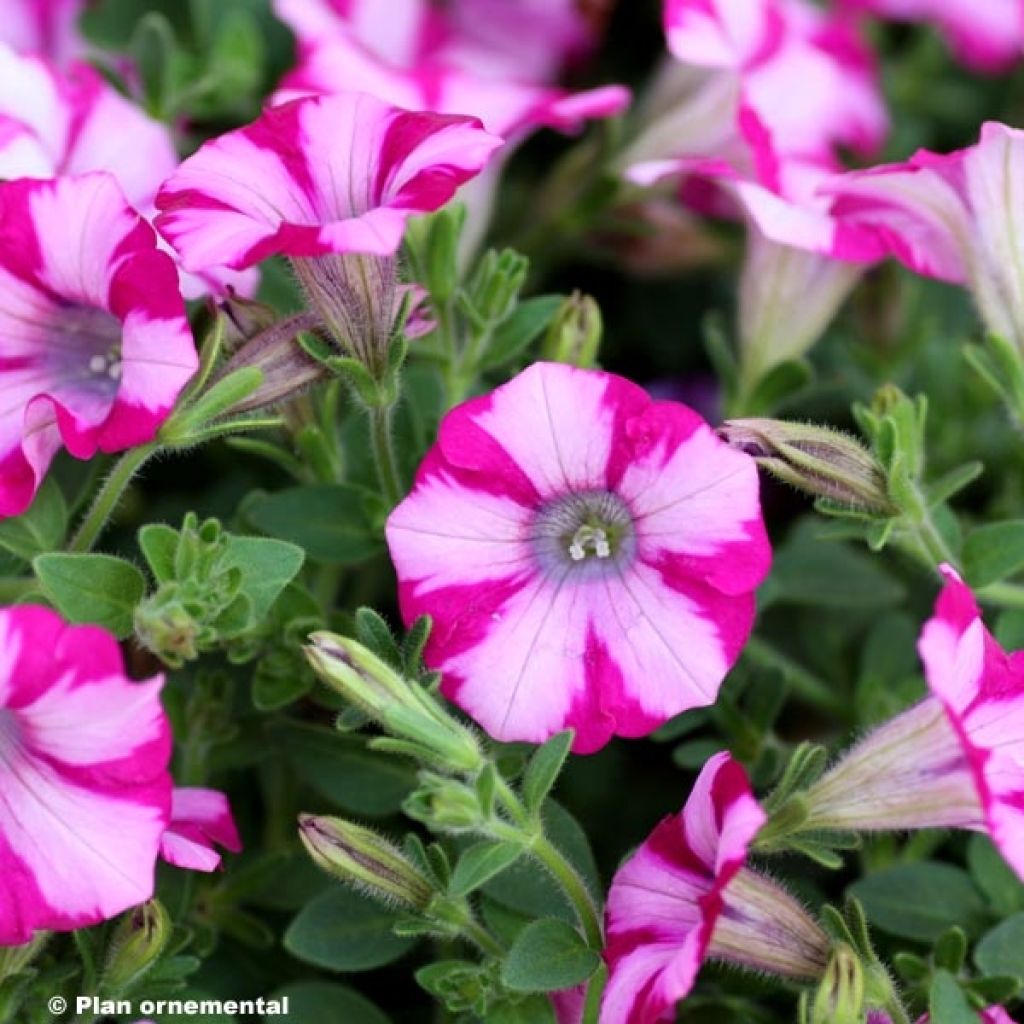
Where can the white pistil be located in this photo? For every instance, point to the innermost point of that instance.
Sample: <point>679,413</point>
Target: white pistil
<point>593,536</point>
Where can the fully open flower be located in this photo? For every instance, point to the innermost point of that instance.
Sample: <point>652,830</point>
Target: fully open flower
<point>83,775</point>
<point>96,344</point>
<point>956,759</point>
<point>687,895</point>
<point>46,27</point>
<point>956,217</point>
<point>588,556</point>
<point>201,820</point>
<point>335,174</point>
<point>986,36</point>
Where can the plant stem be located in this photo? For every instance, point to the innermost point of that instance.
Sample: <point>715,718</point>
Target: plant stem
<point>109,495</point>
<point>575,888</point>
<point>383,448</point>
<point>481,938</point>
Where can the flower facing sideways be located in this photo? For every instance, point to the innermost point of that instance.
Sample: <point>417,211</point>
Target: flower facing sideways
<point>956,759</point>
<point>96,345</point>
<point>588,557</point>
<point>85,794</point>
<point>200,820</point>
<point>686,895</point>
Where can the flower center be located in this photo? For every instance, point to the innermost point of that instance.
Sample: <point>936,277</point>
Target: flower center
<point>588,531</point>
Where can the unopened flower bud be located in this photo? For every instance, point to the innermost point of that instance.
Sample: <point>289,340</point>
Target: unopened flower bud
<point>403,708</point>
<point>362,858</point>
<point>287,369</point>
<point>575,332</point>
<point>136,945</point>
<point>167,629</point>
<point>823,462</point>
<point>445,804</point>
<point>840,996</point>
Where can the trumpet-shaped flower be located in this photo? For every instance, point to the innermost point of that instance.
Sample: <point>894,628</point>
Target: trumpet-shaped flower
<point>956,759</point>
<point>988,36</point>
<point>201,820</point>
<point>334,174</point>
<point>588,557</point>
<point>85,790</point>
<point>687,895</point>
<point>96,344</point>
<point>956,217</point>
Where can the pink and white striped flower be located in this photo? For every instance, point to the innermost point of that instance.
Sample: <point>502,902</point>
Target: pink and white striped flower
<point>55,122</point>
<point>988,36</point>
<point>201,820</point>
<point>687,895</point>
<point>588,557</point>
<point>96,344</point>
<point>955,217</point>
<point>956,759</point>
<point>83,772</point>
<point>335,174</point>
<point>45,27</point>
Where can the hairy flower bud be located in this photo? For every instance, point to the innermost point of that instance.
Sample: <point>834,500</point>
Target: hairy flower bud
<point>574,335</point>
<point>137,942</point>
<point>445,804</point>
<point>823,462</point>
<point>403,708</point>
<point>840,996</point>
<point>362,858</point>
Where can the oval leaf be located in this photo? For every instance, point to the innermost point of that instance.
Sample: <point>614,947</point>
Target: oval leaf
<point>548,955</point>
<point>480,863</point>
<point>96,589</point>
<point>993,552</point>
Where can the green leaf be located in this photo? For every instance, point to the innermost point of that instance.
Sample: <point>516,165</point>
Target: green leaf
<point>482,862</point>
<point>341,769</point>
<point>948,1003</point>
<point>544,768</point>
<point>325,1002</point>
<point>1001,951</point>
<point>809,570</point>
<point>267,567</point>
<point>920,901</point>
<point>343,931</point>
<point>779,384</point>
<point>273,690</point>
<point>97,589</point>
<point>520,329</point>
<point>994,877</point>
<point>993,552</point>
<point>40,528</point>
<point>548,955</point>
<point>328,520</point>
<point>534,1009</point>
<point>158,542</point>
<point>951,950</point>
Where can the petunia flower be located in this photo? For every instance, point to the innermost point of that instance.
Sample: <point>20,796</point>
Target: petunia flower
<point>321,179</point>
<point>802,259</point>
<point>83,773</point>
<point>687,896</point>
<point>200,820</point>
<point>955,217</point>
<point>954,760</point>
<point>45,27</point>
<point>96,344</point>
<point>588,557</point>
<point>987,37</point>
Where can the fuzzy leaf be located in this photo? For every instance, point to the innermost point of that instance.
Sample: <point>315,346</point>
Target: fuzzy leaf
<point>548,955</point>
<point>97,589</point>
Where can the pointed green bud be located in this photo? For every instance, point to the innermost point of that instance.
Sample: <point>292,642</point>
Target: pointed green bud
<point>575,332</point>
<point>403,708</point>
<point>360,857</point>
<point>840,995</point>
<point>138,940</point>
<point>818,460</point>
